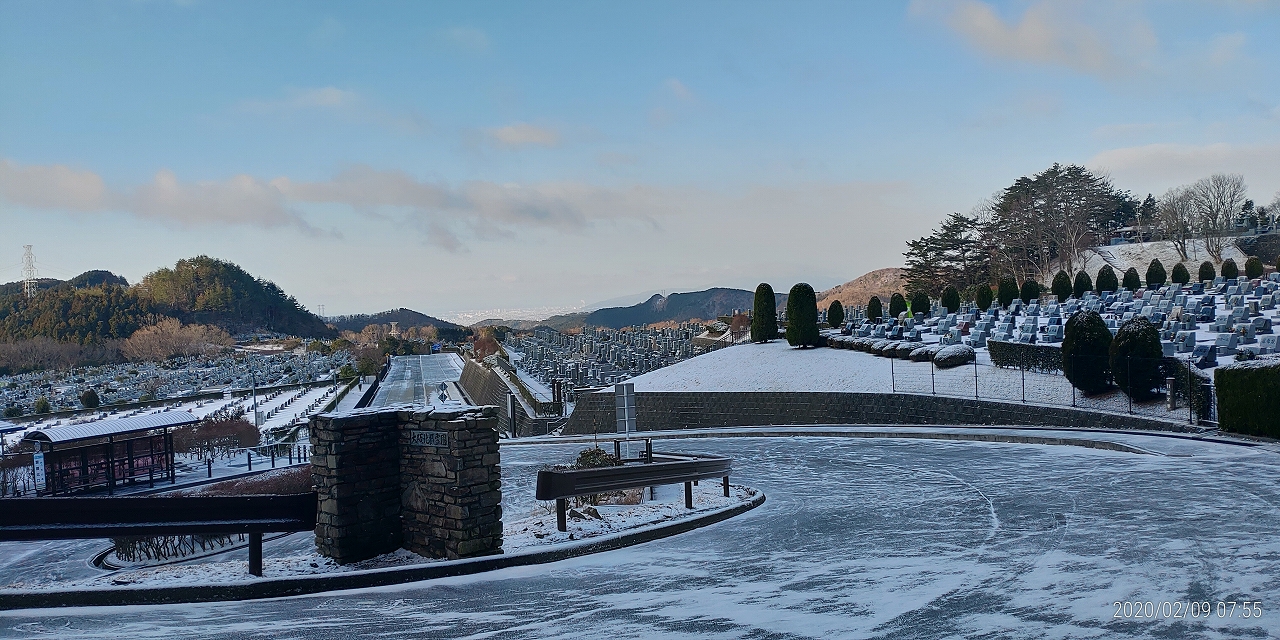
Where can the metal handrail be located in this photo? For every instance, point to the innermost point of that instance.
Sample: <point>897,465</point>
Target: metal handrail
<point>652,470</point>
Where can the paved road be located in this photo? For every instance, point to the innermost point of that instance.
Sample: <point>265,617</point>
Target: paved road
<point>411,376</point>
<point>881,538</point>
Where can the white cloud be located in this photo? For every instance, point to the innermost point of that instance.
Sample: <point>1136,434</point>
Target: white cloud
<point>468,39</point>
<point>1155,168</point>
<point>241,200</point>
<point>679,90</point>
<point>524,134</point>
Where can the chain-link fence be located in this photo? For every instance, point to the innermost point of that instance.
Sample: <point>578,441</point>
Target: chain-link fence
<point>1165,388</point>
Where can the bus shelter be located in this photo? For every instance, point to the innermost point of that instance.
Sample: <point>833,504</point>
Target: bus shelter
<point>106,454</point>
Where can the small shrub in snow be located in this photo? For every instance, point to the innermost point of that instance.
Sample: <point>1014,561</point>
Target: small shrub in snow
<point>954,356</point>
<point>924,354</point>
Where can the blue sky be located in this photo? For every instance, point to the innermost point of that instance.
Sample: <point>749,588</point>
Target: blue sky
<point>465,156</point>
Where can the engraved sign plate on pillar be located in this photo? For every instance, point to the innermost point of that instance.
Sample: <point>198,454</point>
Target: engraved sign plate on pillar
<point>429,438</point>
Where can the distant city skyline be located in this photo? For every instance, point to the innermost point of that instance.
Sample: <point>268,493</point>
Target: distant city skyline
<point>520,156</point>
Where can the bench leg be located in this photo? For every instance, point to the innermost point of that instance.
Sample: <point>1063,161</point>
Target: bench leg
<point>255,554</point>
<point>688,495</point>
<point>561,507</point>
<point>726,486</point>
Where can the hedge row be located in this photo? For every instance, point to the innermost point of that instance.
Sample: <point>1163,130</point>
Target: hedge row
<point>1249,397</point>
<point>1032,357</point>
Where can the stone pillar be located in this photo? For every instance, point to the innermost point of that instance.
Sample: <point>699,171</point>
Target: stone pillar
<point>411,476</point>
<point>355,467</point>
<point>452,485</point>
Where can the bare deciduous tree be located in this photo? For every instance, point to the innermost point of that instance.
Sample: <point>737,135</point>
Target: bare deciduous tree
<point>169,338</point>
<point>1216,200</point>
<point>1176,218</point>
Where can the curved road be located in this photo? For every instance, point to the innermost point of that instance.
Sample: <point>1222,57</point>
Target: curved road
<point>876,538</point>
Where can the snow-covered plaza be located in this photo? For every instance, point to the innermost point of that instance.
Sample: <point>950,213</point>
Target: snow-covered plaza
<point>859,537</point>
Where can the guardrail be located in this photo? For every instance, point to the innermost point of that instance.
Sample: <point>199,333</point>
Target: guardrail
<point>76,518</point>
<point>649,470</point>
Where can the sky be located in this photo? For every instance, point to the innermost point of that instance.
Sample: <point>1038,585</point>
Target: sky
<point>513,159</point>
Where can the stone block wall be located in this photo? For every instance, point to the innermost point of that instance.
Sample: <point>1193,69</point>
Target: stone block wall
<point>408,476</point>
<point>451,486</point>
<point>657,411</point>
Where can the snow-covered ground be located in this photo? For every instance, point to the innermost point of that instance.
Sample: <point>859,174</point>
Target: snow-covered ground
<point>859,538</point>
<point>773,366</point>
<point>1139,256</point>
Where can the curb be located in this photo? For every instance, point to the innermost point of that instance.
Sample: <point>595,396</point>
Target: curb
<point>285,587</point>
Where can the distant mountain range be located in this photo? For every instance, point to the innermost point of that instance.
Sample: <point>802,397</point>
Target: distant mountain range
<point>857,292</point>
<point>678,307</point>
<point>405,317</point>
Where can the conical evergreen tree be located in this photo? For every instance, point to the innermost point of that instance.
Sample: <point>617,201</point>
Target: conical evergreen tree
<point>1132,281</point>
<point>1107,280</point>
<point>875,309</point>
<point>1180,274</point>
<point>1083,284</point>
<point>1156,275</point>
<point>1230,270</point>
<point>897,305</point>
<point>1030,291</point>
<point>802,316</point>
<point>835,314</point>
<point>1006,291</point>
<point>919,303</point>
<point>1207,272</point>
<point>951,299</point>
<point>764,318</point>
<point>1061,286</point>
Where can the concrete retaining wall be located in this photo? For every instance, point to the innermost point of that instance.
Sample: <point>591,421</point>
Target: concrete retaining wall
<point>657,411</point>
<point>486,387</point>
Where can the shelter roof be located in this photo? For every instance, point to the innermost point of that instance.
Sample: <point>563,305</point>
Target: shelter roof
<point>119,427</point>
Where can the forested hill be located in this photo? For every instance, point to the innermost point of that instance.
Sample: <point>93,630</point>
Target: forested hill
<point>98,306</point>
<point>405,317</point>
<point>206,290</point>
<point>678,307</point>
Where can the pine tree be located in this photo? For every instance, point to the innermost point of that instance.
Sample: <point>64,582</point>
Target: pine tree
<point>764,319</point>
<point>1061,286</point>
<point>835,314</point>
<point>802,316</point>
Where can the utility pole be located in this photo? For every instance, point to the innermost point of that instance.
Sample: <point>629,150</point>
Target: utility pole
<point>28,271</point>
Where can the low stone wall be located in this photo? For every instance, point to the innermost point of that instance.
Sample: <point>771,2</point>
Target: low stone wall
<point>403,476</point>
<point>486,387</point>
<point>595,412</point>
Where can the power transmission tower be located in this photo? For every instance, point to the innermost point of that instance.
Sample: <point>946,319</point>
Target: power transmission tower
<point>321,312</point>
<point>28,271</point>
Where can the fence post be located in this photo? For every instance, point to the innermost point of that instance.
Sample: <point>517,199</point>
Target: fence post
<point>273,457</point>
<point>1024,382</point>
<point>688,495</point>
<point>248,455</point>
<point>1190,410</point>
<point>255,554</point>
<point>975,375</point>
<point>726,486</point>
<point>933,383</point>
<point>209,462</point>
<point>1073,385</point>
<point>1128,365</point>
<point>893,381</point>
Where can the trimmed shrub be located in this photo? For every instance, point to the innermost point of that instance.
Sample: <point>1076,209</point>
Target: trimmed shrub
<point>897,305</point>
<point>1032,357</point>
<point>1107,280</point>
<point>764,319</point>
<point>1131,280</point>
<point>1180,274</point>
<point>89,399</point>
<point>1030,291</point>
<point>835,314</point>
<point>1230,270</point>
<point>802,317</point>
<point>920,303</point>
<point>983,297</point>
<point>1253,267</point>
<point>1006,291</point>
<point>1156,275</point>
<point>1083,285</point>
<point>1249,396</point>
<point>953,356</point>
<point>925,354</point>
<point>1136,356</point>
<point>1207,272</point>
<point>1086,347</point>
<point>874,308</point>
<point>42,405</point>
<point>1061,286</point>
<point>904,349</point>
<point>951,299</point>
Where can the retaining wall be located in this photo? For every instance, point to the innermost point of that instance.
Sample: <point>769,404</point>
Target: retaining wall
<point>656,411</point>
<point>488,388</point>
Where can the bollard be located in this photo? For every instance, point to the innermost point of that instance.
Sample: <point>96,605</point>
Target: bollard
<point>209,463</point>
<point>726,486</point>
<point>248,455</point>
<point>688,495</point>
<point>617,449</point>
